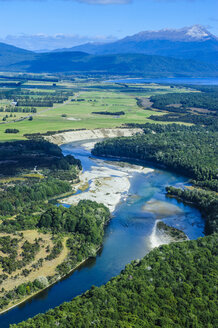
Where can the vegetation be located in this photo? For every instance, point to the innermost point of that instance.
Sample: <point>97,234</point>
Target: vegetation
<point>110,113</point>
<point>84,97</point>
<point>86,218</point>
<point>206,100</point>
<point>11,131</point>
<point>196,107</point>
<point>38,172</point>
<point>176,234</point>
<point>205,200</point>
<point>173,286</point>
<point>188,150</point>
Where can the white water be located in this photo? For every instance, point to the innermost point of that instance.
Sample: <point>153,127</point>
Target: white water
<point>158,238</point>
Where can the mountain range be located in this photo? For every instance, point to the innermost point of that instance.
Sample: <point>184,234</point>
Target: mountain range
<point>193,42</point>
<point>185,52</point>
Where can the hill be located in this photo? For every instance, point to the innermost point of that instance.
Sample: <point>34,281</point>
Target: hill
<point>132,64</point>
<point>10,55</point>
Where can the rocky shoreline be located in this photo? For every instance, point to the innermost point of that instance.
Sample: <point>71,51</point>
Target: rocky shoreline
<point>107,184</point>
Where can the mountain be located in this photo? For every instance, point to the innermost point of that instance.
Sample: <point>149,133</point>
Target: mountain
<point>193,42</point>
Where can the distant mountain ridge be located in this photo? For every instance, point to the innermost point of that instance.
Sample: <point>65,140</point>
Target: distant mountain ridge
<point>186,34</point>
<point>193,42</point>
<point>137,55</point>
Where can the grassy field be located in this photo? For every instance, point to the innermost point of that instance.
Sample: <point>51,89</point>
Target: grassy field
<point>78,114</point>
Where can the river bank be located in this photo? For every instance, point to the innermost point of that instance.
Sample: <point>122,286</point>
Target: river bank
<point>10,307</point>
<point>107,184</point>
<point>72,136</point>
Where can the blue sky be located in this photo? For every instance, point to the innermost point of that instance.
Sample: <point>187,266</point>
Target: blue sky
<point>85,20</point>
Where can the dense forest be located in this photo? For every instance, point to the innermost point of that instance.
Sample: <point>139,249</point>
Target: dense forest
<point>190,151</point>
<point>173,286</point>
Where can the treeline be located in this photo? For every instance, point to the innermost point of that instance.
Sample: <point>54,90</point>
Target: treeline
<point>173,286</point>
<point>46,101</point>
<point>110,113</point>
<point>19,155</point>
<point>15,109</point>
<point>208,121</point>
<point>29,77</point>
<point>12,131</point>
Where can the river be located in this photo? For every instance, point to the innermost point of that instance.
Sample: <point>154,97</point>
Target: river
<point>129,235</point>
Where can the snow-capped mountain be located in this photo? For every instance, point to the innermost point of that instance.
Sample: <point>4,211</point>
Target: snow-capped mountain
<point>194,42</point>
<point>193,33</point>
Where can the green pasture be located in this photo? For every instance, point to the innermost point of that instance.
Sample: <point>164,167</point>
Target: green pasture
<point>79,113</point>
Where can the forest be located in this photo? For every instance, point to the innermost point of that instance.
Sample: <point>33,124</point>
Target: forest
<point>173,286</point>
<point>190,151</point>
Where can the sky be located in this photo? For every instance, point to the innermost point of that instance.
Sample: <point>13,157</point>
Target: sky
<point>50,24</point>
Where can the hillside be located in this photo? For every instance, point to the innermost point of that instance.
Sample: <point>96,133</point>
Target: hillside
<point>10,55</point>
<point>132,64</point>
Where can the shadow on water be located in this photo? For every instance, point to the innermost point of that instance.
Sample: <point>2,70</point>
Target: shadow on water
<point>127,235</point>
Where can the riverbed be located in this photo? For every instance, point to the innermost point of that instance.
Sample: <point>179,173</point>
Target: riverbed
<point>129,235</point>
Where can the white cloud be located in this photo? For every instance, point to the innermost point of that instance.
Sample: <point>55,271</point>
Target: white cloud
<point>105,2</point>
<point>91,2</point>
<point>42,41</point>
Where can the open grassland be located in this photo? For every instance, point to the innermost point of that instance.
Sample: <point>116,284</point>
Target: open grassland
<point>89,97</point>
<point>46,267</point>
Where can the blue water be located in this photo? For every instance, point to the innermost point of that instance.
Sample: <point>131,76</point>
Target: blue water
<point>173,80</point>
<point>127,237</point>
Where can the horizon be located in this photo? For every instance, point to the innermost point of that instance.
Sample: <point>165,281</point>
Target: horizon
<point>64,24</point>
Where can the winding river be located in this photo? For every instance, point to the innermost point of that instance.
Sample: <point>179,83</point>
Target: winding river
<point>130,235</point>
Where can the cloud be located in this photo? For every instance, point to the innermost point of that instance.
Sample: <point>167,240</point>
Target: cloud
<point>91,2</point>
<point>50,42</point>
<point>105,2</point>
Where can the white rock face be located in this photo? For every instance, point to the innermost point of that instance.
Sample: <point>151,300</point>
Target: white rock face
<point>66,137</point>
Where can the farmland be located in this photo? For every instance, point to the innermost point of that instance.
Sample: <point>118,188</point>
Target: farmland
<point>80,100</point>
